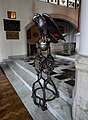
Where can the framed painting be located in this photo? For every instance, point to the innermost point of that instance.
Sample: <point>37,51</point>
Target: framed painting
<point>12,35</point>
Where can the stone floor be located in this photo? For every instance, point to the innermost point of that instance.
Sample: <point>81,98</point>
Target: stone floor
<point>63,76</point>
<point>11,107</point>
<point>64,69</point>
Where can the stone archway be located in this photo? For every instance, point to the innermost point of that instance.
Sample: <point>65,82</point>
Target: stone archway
<point>66,18</point>
<point>58,16</point>
<point>33,36</point>
<point>69,20</point>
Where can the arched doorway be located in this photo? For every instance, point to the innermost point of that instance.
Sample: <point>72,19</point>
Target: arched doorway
<point>68,47</point>
<point>33,35</point>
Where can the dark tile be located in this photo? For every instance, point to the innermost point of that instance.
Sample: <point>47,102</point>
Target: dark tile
<point>65,64</point>
<point>66,74</point>
<point>56,66</point>
<point>60,77</point>
<point>32,64</point>
<point>70,82</point>
<point>63,54</point>
<point>53,73</point>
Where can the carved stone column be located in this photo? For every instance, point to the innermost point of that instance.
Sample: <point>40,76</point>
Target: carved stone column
<point>80,92</point>
<point>80,99</point>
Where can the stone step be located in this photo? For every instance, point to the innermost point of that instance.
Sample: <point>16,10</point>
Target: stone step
<point>60,109</point>
<point>64,89</point>
<point>25,95</point>
<point>25,78</point>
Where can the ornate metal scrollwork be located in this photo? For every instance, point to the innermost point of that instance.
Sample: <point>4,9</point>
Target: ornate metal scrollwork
<point>44,66</point>
<point>44,89</point>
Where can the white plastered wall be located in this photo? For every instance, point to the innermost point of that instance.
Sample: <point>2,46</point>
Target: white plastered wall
<point>23,9</point>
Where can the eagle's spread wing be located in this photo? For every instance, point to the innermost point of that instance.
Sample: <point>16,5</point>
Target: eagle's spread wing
<point>52,28</point>
<point>40,23</point>
<point>47,27</point>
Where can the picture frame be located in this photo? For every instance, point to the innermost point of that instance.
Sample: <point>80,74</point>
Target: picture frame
<point>12,35</point>
<point>11,14</point>
<point>11,25</point>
